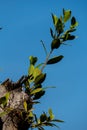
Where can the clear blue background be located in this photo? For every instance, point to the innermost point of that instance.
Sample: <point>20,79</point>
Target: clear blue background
<point>25,23</point>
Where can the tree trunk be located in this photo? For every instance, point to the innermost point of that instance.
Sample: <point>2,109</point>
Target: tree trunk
<point>9,125</point>
<point>12,120</point>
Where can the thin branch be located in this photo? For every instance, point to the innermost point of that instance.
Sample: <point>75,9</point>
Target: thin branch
<point>44,47</point>
<point>47,58</point>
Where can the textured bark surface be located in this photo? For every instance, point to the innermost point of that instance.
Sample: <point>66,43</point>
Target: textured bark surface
<point>12,120</point>
<point>9,126</point>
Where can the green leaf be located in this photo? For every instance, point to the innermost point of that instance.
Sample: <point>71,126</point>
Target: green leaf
<point>55,19</point>
<point>66,14</point>
<point>36,90</point>
<point>71,37</point>
<point>41,93</point>
<point>43,117</point>
<point>25,106</point>
<point>51,114</point>
<point>38,95</point>
<point>30,72</point>
<point>40,78</point>
<point>68,36</point>
<point>31,69</point>
<point>71,30</point>
<point>60,26</point>
<point>7,96</point>
<point>33,60</point>
<point>34,72</point>
<point>51,32</point>
<point>30,116</point>
<point>74,23</point>
<point>4,99</point>
<point>55,59</point>
<point>55,44</point>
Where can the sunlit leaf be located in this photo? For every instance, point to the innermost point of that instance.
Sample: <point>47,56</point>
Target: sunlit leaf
<point>55,59</point>
<point>51,114</point>
<point>7,95</point>
<point>7,98</point>
<point>59,26</point>
<point>36,90</point>
<point>33,60</point>
<point>4,99</point>
<point>38,121</point>
<point>30,116</point>
<point>30,72</point>
<point>40,78</point>
<point>25,106</point>
<point>55,19</point>
<point>34,72</point>
<point>67,15</point>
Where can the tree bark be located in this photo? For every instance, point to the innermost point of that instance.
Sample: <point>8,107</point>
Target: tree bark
<point>9,125</point>
<point>12,120</point>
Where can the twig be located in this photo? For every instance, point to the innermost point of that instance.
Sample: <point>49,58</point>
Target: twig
<point>47,58</point>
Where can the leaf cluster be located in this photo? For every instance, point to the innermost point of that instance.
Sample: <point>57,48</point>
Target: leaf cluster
<point>60,34</point>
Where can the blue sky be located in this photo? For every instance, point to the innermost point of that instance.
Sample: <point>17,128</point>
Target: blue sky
<point>25,23</point>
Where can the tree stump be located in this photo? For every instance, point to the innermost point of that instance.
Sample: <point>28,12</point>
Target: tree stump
<point>12,119</point>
